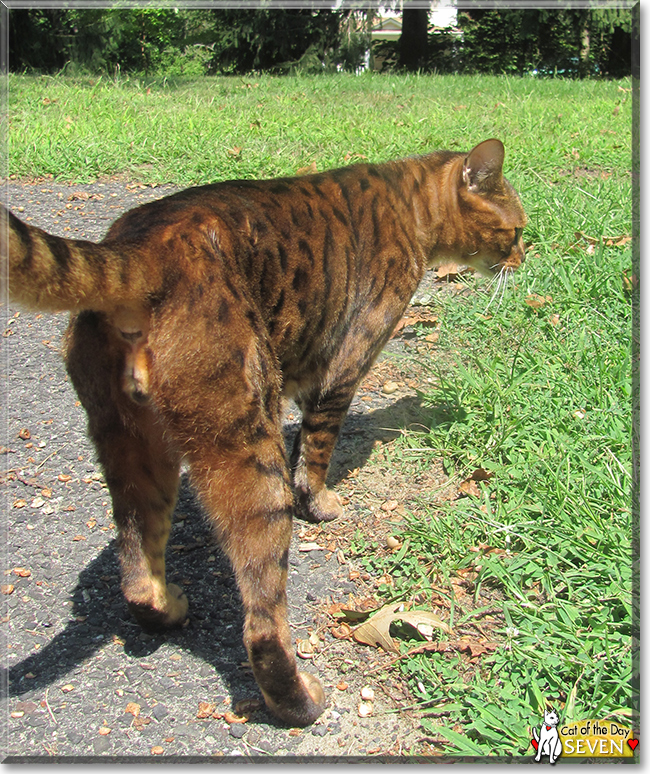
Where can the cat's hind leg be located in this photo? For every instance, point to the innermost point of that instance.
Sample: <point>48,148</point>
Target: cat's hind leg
<point>249,497</point>
<point>225,413</point>
<point>140,468</point>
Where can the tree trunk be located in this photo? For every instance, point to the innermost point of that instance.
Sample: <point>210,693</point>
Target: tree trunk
<point>583,64</point>
<point>413,42</point>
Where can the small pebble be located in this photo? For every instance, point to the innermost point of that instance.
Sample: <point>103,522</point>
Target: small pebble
<point>238,730</point>
<point>319,730</point>
<point>367,693</point>
<point>160,711</point>
<point>101,745</point>
<point>365,709</point>
<point>389,388</point>
<point>392,542</point>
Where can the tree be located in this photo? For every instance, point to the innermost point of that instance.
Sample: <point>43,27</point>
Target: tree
<point>414,38</point>
<point>579,42</point>
<point>272,39</point>
<point>35,39</point>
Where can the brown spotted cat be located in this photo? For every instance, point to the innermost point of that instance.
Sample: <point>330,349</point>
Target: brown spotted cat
<point>198,312</point>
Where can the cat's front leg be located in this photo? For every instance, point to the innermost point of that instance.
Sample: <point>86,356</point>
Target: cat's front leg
<point>555,750</point>
<point>322,418</point>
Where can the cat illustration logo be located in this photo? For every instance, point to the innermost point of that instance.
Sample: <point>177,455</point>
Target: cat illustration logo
<point>547,741</point>
<point>590,738</point>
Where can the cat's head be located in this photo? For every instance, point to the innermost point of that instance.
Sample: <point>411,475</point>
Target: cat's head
<point>491,212</point>
<point>551,718</point>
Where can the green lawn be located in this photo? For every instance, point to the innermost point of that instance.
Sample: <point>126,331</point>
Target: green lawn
<point>534,389</point>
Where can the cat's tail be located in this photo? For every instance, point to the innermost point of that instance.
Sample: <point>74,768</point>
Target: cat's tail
<point>535,734</point>
<point>55,274</point>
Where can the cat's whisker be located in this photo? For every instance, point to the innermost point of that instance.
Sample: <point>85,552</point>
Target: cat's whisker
<point>500,281</point>
<point>498,278</point>
<point>504,288</point>
<point>494,278</point>
<point>507,276</point>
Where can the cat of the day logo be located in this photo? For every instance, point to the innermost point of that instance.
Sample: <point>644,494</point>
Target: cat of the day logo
<point>581,739</point>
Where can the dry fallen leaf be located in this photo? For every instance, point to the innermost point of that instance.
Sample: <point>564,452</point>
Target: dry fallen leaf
<point>470,487</point>
<point>449,269</point>
<point>480,474</point>
<point>608,241</point>
<point>376,630</point>
<point>349,156</point>
<point>310,547</point>
<point>535,301</point>
<point>231,717</point>
<point>475,647</point>
<point>630,281</point>
<point>341,632</point>
<point>415,317</point>
<point>312,169</point>
<point>205,710</point>
<point>133,709</point>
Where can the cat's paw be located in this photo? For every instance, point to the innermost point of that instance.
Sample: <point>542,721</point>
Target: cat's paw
<point>304,706</point>
<point>325,505</point>
<point>172,612</point>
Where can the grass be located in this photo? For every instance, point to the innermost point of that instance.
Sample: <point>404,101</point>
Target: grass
<point>536,392</point>
<point>540,398</point>
<point>192,132</point>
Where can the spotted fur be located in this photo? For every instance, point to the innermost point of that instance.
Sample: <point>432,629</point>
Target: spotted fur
<point>198,312</point>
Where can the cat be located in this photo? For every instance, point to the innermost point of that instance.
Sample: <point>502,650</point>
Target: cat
<point>548,740</point>
<point>198,312</point>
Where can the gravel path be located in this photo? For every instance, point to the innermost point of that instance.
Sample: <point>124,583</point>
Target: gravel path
<point>84,681</point>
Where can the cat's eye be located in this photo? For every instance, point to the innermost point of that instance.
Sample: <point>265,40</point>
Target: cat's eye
<point>518,233</point>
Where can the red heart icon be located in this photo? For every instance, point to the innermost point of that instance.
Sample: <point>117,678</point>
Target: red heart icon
<point>633,743</point>
<point>536,745</point>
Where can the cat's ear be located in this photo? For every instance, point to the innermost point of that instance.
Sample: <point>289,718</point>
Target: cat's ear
<point>483,167</point>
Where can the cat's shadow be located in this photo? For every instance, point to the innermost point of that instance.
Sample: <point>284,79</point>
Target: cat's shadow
<point>213,632</point>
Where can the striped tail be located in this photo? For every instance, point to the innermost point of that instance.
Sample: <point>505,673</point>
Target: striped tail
<point>54,274</point>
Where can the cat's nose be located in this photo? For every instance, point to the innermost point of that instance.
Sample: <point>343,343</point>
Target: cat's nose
<point>521,249</point>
